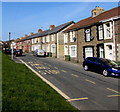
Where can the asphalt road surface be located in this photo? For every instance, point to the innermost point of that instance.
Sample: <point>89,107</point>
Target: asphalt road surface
<point>87,90</point>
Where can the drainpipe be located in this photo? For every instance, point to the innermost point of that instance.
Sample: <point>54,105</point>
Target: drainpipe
<point>114,39</point>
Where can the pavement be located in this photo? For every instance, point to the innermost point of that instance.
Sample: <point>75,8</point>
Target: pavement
<point>86,90</point>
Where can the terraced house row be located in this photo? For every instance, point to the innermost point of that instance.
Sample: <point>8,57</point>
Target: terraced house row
<point>95,36</point>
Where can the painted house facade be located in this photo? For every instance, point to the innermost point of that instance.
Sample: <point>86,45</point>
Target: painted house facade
<point>96,36</point>
<point>51,40</point>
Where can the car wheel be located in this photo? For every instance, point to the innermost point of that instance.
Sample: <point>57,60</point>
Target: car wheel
<point>85,67</point>
<point>105,72</point>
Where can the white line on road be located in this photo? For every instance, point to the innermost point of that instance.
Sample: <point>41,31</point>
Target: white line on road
<point>75,99</point>
<point>112,95</point>
<point>113,90</point>
<point>45,80</point>
<point>74,75</point>
<point>90,81</point>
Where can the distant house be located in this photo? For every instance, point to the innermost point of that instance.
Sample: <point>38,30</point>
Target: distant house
<point>51,40</point>
<point>95,36</point>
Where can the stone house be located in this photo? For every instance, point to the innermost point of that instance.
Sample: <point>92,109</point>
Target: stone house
<point>50,40</point>
<point>95,36</point>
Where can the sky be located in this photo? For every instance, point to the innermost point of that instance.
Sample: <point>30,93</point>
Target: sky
<point>22,18</point>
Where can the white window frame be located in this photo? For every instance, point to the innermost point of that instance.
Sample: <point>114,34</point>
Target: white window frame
<point>43,39</point>
<point>90,47</point>
<point>53,48</point>
<point>100,32</point>
<point>108,31</point>
<point>73,52</point>
<point>66,50</point>
<point>47,38</point>
<point>53,37</point>
<point>65,37</point>
<point>87,34</point>
<point>72,35</point>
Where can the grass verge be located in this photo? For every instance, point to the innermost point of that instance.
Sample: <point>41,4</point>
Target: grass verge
<point>23,90</point>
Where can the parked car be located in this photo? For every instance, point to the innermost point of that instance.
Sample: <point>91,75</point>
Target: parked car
<point>105,66</point>
<point>39,52</point>
<point>18,52</point>
<point>7,51</point>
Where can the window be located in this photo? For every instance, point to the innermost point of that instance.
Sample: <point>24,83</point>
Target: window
<point>108,30</point>
<point>100,32</point>
<point>47,38</point>
<point>53,49</point>
<point>65,37</point>
<point>47,48</point>
<point>73,51</point>
<point>53,37</point>
<point>66,50</point>
<point>43,39</point>
<point>87,35</point>
<point>88,51</point>
<point>72,36</point>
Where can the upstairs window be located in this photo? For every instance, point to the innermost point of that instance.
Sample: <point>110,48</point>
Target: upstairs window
<point>53,37</point>
<point>108,30</point>
<point>43,39</point>
<point>47,38</point>
<point>72,36</point>
<point>100,32</point>
<point>65,37</point>
<point>87,34</point>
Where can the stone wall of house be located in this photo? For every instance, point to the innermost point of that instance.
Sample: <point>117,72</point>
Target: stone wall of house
<point>117,35</point>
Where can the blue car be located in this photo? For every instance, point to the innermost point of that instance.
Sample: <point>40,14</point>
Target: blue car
<point>105,66</point>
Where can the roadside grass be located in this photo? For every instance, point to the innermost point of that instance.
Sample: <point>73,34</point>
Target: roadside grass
<point>23,90</point>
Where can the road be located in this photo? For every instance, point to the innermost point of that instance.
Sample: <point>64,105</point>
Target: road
<point>86,90</point>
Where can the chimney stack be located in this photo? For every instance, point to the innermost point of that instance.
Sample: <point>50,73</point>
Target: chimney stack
<point>31,33</point>
<point>52,26</point>
<point>26,35</point>
<point>97,11</point>
<point>21,38</point>
<point>39,30</point>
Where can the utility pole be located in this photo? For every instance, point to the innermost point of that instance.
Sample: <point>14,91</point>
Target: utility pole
<point>9,35</point>
<point>11,46</point>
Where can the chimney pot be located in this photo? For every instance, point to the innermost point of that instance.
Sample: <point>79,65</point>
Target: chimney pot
<point>39,30</point>
<point>26,35</point>
<point>52,26</point>
<point>31,33</point>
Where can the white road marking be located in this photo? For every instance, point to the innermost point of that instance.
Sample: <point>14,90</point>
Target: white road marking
<point>75,99</point>
<point>74,75</point>
<point>45,80</point>
<point>112,95</point>
<point>90,81</point>
<point>113,90</point>
<point>63,71</point>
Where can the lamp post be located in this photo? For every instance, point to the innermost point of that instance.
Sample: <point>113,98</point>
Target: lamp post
<point>11,46</point>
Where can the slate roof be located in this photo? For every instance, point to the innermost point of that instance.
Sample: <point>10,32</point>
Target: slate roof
<point>48,32</point>
<point>93,20</point>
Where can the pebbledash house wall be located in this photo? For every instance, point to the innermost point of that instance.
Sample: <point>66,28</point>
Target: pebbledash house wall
<point>82,43</point>
<point>117,35</point>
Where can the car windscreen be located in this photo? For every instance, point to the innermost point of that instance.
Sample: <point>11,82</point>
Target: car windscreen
<point>111,63</point>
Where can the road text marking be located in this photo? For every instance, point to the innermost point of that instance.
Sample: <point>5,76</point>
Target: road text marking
<point>45,80</point>
<point>90,81</point>
<point>75,99</point>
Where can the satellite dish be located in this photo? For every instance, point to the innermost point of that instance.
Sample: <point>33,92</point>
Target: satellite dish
<point>91,38</point>
<point>74,39</point>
